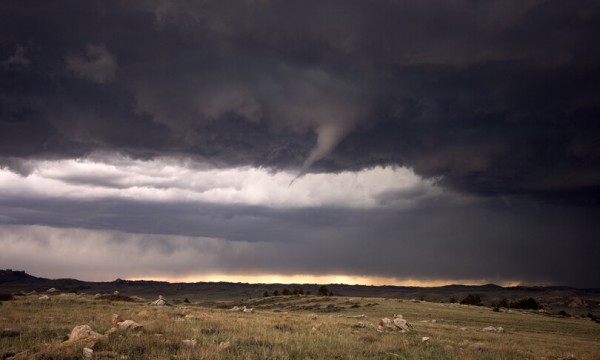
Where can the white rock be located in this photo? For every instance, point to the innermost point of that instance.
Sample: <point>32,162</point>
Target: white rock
<point>44,297</point>
<point>425,338</point>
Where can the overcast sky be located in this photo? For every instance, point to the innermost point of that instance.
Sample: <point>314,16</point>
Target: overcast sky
<point>399,142</point>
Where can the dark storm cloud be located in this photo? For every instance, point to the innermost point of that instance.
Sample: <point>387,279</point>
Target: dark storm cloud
<point>490,97</point>
<point>487,240</point>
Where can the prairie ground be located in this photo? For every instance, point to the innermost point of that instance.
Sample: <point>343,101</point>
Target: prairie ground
<point>290,327</point>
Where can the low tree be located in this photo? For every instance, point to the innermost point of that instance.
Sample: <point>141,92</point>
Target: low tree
<point>285,292</point>
<point>323,291</point>
<point>266,294</point>
<point>275,293</point>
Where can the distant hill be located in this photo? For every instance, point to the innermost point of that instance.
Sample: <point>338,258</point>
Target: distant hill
<point>559,297</point>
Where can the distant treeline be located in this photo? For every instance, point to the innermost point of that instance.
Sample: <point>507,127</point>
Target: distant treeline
<point>525,303</point>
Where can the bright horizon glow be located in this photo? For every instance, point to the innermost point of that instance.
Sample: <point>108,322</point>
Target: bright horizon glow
<point>322,279</point>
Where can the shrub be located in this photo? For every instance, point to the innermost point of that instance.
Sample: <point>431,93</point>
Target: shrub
<point>6,297</point>
<point>275,293</point>
<point>323,291</point>
<point>472,300</point>
<point>286,292</point>
<point>266,294</point>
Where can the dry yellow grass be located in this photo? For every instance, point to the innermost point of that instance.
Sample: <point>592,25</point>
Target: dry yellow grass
<point>294,327</point>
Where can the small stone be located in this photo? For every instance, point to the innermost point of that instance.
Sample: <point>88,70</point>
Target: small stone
<point>281,327</point>
<point>44,297</point>
<point>129,325</point>
<point>425,338</point>
<point>88,353</point>
<point>116,319</point>
<point>116,292</point>
<point>248,310</point>
<point>52,291</point>
<point>489,328</point>
<point>189,343</point>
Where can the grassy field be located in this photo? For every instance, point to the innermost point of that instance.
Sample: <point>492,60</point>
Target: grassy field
<point>291,327</point>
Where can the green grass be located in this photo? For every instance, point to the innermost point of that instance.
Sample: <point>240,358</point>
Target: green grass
<point>282,328</point>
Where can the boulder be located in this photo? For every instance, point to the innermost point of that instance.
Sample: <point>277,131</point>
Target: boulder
<point>248,310</point>
<point>44,297</point>
<point>160,302</point>
<point>52,291</point>
<point>84,333</point>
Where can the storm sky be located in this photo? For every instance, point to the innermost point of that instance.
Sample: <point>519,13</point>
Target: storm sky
<point>397,142</point>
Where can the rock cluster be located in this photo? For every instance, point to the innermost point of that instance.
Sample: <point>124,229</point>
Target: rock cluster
<point>396,324</point>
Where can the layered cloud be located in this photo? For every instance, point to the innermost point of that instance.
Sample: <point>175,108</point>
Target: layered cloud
<point>405,122</point>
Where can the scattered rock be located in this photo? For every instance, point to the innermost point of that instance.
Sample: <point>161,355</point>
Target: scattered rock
<point>9,333</point>
<point>52,291</point>
<point>88,353</point>
<point>241,309</point>
<point>137,299</point>
<point>116,292</point>
<point>189,343</point>
<point>160,302</point>
<point>33,292</point>
<point>129,325</point>
<point>463,328</point>
<point>224,345</point>
<point>44,297</point>
<point>425,339</point>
